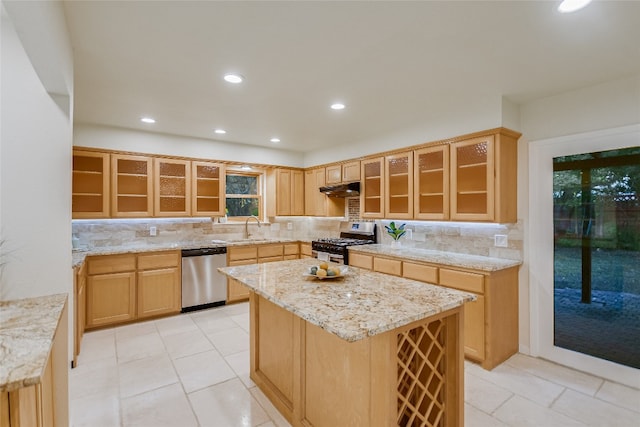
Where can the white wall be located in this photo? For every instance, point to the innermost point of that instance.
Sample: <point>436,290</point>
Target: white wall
<point>87,135</point>
<point>36,135</point>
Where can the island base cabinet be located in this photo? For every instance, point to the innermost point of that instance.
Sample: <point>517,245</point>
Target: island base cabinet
<point>412,375</point>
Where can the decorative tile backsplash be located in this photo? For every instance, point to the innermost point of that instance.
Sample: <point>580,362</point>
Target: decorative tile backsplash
<point>467,238</point>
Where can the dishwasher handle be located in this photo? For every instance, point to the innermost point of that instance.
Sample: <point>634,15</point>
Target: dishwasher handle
<point>204,251</point>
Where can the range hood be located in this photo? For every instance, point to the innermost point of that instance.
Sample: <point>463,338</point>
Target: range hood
<point>351,189</point>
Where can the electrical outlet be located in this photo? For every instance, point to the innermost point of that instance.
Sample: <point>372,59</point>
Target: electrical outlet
<point>419,237</point>
<point>153,231</point>
<point>289,226</point>
<point>500,241</point>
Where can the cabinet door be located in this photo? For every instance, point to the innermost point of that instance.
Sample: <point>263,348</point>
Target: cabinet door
<point>132,186</point>
<point>474,329</point>
<point>310,190</point>
<point>90,187</point>
<point>351,171</point>
<point>431,183</point>
<point>334,174</point>
<point>321,199</point>
<point>399,186</point>
<point>111,298</point>
<point>472,179</point>
<point>297,192</point>
<point>236,291</point>
<point>372,188</point>
<point>283,192</point>
<point>172,185</point>
<point>208,189</point>
<point>159,292</point>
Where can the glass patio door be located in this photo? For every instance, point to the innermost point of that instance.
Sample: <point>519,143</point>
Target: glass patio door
<point>596,256</point>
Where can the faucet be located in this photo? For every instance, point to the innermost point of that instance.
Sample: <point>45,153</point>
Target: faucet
<point>246,225</point>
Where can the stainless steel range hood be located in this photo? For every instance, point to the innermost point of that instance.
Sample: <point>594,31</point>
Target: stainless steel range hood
<point>351,189</point>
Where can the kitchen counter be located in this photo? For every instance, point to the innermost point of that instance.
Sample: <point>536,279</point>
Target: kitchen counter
<point>79,255</point>
<point>452,259</point>
<point>361,304</point>
<point>366,349</point>
<point>27,330</point>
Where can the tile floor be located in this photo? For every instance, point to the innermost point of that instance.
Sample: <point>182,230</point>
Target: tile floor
<point>193,370</point>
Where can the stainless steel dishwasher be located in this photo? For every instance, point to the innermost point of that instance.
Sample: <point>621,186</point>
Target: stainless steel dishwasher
<point>202,285</point>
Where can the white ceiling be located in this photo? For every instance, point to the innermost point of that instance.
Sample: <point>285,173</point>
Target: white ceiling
<point>392,63</point>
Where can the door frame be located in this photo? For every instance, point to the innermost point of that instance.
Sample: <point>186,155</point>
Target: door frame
<point>540,247</point>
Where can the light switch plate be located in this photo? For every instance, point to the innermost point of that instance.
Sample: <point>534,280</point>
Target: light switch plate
<point>289,226</point>
<point>500,240</point>
<point>153,231</point>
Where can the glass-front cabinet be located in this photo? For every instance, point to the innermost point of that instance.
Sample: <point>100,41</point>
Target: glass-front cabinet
<point>208,183</point>
<point>431,183</point>
<point>132,181</point>
<point>399,185</point>
<point>372,188</point>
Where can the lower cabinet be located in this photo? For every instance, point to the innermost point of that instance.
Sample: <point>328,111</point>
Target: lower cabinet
<point>490,322</point>
<point>122,288</point>
<point>80,311</point>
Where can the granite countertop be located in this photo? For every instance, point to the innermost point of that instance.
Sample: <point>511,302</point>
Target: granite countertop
<point>452,259</point>
<point>361,304</point>
<point>27,329</point>
<point>79,255</point>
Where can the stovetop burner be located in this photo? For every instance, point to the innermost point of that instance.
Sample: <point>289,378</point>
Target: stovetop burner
<point>338,241</point>
<point>351,234</point>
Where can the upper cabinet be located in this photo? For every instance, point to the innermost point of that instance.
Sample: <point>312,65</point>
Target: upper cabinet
<point>132,186</point>
<point>208,189</point>
<point>399,186</point>
<point>484,178</point>
<point>317,203</point>
<point>431,183</point>
<point>351,171</point>
<point>285,192</point>
<point>172,182</point>
<point>90,188</point>
<point>334,174</point>
<point>372,188</point>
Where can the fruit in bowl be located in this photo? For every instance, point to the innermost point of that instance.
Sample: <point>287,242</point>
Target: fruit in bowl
<point>324,270</point>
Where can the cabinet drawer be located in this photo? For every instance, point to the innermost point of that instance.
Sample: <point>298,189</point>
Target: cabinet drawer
<point>305,249</point>
<point>269,251</point>
<point>423,273</point>
<point>111,264</point>
<point>270,259</point>
<point>464,281</point>
<point>242,262</point>
<point>389,266</point>
<point>291,249</point>
<point>288,257</point>
<point>362,261</point>
<point>244,252</point>
<point>158,260</point>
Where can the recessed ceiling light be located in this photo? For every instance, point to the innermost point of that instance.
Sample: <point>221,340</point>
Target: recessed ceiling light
<point>233,78</point>
<point>147,120</point>
<point>220,131</point>
<point>337,106</point>
<point>274,140</point>
<point>568,6</point>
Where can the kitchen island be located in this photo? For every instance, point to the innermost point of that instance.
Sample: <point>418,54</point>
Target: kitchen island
<point>366,349</point>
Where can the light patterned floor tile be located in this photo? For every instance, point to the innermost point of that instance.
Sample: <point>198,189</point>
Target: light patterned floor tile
<point>240,364</point>
<point>213,321</point>
<point>175,325</point>
<point>483,394</point>
<point>187,343</point>
<point>97,378</point>
<point>135,330</point>
<point>202,370</point>
<point>228,404</point>
<point>146,374</point>
<point>164,407</point>
<point>242,320</point>
<point>594,412</point>
<point>620,395</point>
<point>95,411</point>
<point>230,341</point>
<point>278,419</point>
<point>97,345</point>
<point>521,412</point>
<point>474,417</point>
<point>133,347</point>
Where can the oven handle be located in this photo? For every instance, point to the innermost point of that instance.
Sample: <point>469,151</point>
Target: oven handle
<point>332,257</point>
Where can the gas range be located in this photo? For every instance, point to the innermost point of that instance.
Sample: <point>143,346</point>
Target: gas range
<point>351,234</point>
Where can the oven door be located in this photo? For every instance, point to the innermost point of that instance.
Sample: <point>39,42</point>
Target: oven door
<point>325,256</point>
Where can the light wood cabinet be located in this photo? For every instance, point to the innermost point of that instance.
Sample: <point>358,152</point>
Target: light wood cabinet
<point>172,184</point>
<point>45,404</point>
<point>132,186</point>
<point>317,203</point>
<point>80,309</point>
<point>484,178</point>
<point>285,192</point>
<point>372,188</point>
<point>490,322</point>
<point>111,298</point>
<point>351,171</point>
<point>90,186</point>
<point>208,189</point>
<point>305,250</point>
<point>398,184</point>
<point>334,174</point>
<point>159,284</point>
<point>431,183</point>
